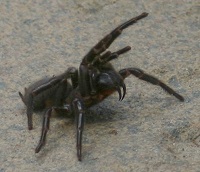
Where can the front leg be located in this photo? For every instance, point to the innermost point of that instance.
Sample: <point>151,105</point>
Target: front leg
<point>104,43</point>
<point>79,110</point>
<point>148,78</point>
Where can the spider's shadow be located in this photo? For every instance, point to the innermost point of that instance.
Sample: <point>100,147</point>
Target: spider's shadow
<point>99,113</point>
<point>96,114</point>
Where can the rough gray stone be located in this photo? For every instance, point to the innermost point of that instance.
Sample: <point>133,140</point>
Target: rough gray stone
<point>148,131</point>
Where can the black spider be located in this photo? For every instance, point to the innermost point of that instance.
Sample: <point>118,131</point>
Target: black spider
<point>95,80</point>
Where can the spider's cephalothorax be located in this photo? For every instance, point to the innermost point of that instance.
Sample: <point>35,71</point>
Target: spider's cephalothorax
<point>95,80</point>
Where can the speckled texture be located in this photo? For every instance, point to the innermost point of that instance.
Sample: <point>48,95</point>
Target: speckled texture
<point>148,131</point>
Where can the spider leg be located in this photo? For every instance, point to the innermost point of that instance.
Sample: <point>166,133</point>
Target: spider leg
<point>80,113</point>
<point>146,77</point>
<point>46,124</point>
<point>29,111</point>
<point>29,104</point>
<point>45,128</point>
<point>46,86</point>
<point>108,56</point>
<point>103,44</point>
<point>22,97</point>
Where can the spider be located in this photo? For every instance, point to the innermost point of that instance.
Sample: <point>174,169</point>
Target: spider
<point>95,80</point>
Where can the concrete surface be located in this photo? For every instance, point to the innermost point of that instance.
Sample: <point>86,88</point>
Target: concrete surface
<point>148,131</point>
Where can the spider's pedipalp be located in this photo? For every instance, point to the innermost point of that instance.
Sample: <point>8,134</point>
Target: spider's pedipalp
<point>99,59</point>
<point>116,54</point>
<point>123,50</point>
<point>108,56</point>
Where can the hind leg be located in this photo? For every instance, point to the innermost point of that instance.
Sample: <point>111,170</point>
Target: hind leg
<point>46,124</point>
